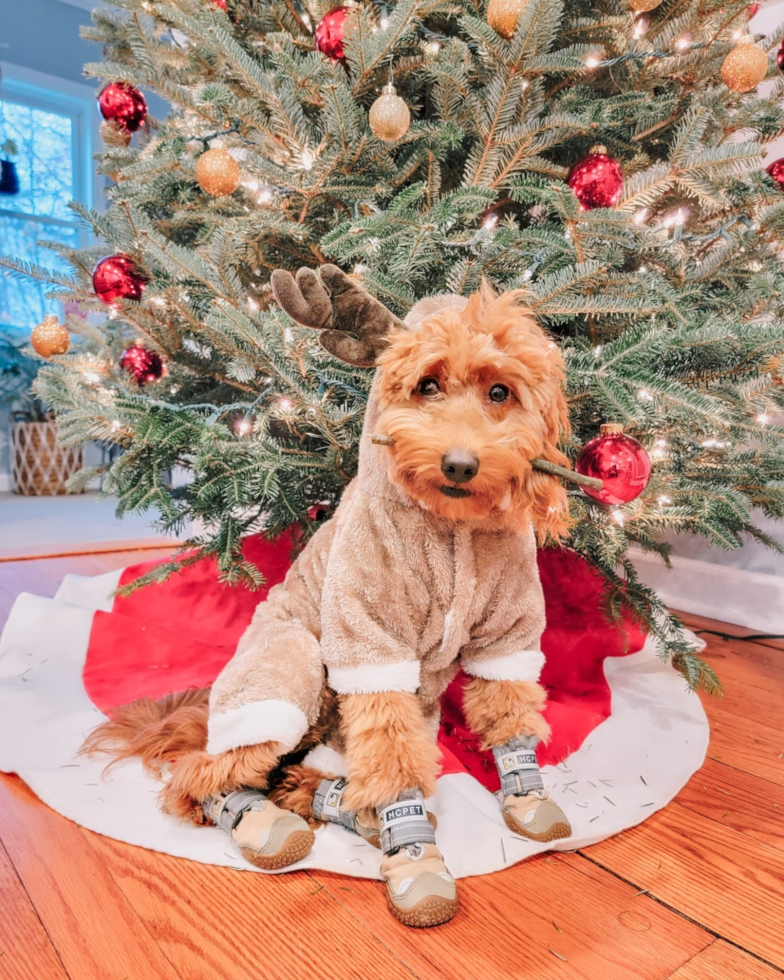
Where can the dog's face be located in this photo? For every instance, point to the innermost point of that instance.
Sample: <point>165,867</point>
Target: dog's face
<point>468,400</point>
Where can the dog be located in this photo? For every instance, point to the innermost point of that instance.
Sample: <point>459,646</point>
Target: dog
<point>329,709</point>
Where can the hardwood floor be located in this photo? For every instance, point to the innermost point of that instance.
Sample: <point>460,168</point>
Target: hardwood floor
<point>695,893</point>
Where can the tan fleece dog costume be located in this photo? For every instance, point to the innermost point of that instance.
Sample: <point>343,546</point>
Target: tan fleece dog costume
<point>391,597</point>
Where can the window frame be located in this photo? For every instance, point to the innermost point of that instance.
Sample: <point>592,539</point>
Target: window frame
<point>40,90</point>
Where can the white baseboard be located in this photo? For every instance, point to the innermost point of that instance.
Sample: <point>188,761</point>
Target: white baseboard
<point>731,595</point>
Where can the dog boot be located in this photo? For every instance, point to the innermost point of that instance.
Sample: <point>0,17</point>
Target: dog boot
<point>525,803</point>
<point>420,890</point>
<point>328,807</point>
<point>267,836</point>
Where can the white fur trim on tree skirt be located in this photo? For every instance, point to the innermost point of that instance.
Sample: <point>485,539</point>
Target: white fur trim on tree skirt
<point>524,665</point>
<point>657,731</point>
<point>326,759</point>
<point>258,721</point>
<point>374,678</point>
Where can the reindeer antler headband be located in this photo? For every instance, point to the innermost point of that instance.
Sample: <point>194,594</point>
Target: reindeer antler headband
<point>354,327</point>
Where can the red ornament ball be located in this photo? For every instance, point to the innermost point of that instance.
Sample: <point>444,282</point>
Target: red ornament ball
<point>143,365</point>
<point>221,3</point>
<point>776,171</point>
<point>117,277</point>
<point>753,9</point>
<point>619,461</point>
<point>597,180</point>
<point>124,105</point>
<point>780,57</point>
<point>329,34</point>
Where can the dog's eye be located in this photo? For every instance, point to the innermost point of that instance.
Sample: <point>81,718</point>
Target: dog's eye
<point>498,393</point>
<point>428,387</point>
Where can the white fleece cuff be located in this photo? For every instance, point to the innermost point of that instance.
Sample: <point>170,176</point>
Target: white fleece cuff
<point>524,665</point>
<point>326,759</point>
<point>375,678</point>
<point>257,721</point>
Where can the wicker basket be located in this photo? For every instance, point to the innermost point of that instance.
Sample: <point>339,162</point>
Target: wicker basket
<point>40,466</point>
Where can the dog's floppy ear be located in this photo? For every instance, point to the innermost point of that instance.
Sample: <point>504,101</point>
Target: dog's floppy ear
<point>353,324</point>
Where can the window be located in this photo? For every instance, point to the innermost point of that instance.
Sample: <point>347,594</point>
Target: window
<point>53,135</point>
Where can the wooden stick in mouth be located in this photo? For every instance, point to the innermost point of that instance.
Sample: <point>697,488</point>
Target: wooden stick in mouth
<point>538,464</point>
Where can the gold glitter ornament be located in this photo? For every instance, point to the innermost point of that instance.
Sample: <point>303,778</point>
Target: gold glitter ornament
<point>389,116</point>
<point>50,337</point>
<point>745,66</point>
<point>643,6</point>
<point>502,15</point>
<point>217,172</point>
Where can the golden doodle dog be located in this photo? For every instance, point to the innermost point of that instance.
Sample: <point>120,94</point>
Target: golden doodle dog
<point>330,708</point>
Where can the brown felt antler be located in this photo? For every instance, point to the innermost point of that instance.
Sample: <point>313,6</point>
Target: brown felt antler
<point>353,323</point>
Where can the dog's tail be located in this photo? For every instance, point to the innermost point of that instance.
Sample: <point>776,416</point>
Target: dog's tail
<point>155,731</point>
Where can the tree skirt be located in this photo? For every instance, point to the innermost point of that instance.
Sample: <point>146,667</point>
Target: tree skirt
<point>627,735</point>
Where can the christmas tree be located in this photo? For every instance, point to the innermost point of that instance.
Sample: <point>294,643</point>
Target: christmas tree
<point>653,259</point>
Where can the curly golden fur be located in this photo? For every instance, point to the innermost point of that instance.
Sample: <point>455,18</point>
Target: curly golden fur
<point>495,340</point>
<point>500,710</point>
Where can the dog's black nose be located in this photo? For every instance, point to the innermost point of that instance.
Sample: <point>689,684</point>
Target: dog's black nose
<point>459,466</point>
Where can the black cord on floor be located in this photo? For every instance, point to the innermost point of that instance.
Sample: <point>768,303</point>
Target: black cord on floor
<point>746,639</point>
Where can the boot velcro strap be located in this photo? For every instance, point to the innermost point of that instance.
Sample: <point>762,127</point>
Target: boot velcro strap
<point>517,766</point>
<point>327,804</point>
<point>405,822</point>
<point>226,810</point>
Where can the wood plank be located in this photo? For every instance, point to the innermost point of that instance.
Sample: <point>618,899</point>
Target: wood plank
<point>745,743</point>
<point>219,924</point>
<point>96,932</point>
<point>720,961</point>
<point>520,922</point>
<point>42,552</point>
<point>26,951</point>
<point>746,803</point>
<point>719,878</point>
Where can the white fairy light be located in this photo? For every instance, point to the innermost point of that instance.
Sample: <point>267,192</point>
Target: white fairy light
<point>597,351</point>
<point>116,425</point>
<point>174,389</point>
<point>664,500</point>
<point>265,196</point>
<point>763,418</point>
<point>640,27</point>
<point>252,304</point>
<point>251,185</point>
<point>307,21</point>
<point>683,43</point>
<point>644,395</point>
<point>640,216</point>
<point>384,22</point>
<point>592,61</point>
<point>490,221</point>
<point>158,301</point>
<point>243,426</point>
<point>642,269</point>
<point>288,336</point>
<point>524,84</point>
<point>91,377</point>
<point>285,404</point>
<point>433,47</point>
<point>618,516</point>
<point>306,160</point>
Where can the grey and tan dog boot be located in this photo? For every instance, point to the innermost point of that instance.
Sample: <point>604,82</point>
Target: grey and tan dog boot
<point>267,836</point>
<point>328,807</point>
<point>420,890</point>
<point>525,803</point>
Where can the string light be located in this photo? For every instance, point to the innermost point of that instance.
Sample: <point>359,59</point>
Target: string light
<point>640,27</point>
<point>491,220</point>
<point>618,516</point>
<point>243,426</point>
<point>640,216</point>
<point>91,377</point>
<point>115,425</point>
<point>763,419</point>
<point>664,500</point>
<point>433,47</point>
<point>285,404</point>
<point>265,196</point>
<point>252,304</point>
<point>644,395</point>
<point>306,160</point>
<point>592,61</point>
<point>683,43</point>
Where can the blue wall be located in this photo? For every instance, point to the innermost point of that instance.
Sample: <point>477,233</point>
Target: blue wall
<point>44,35</point>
